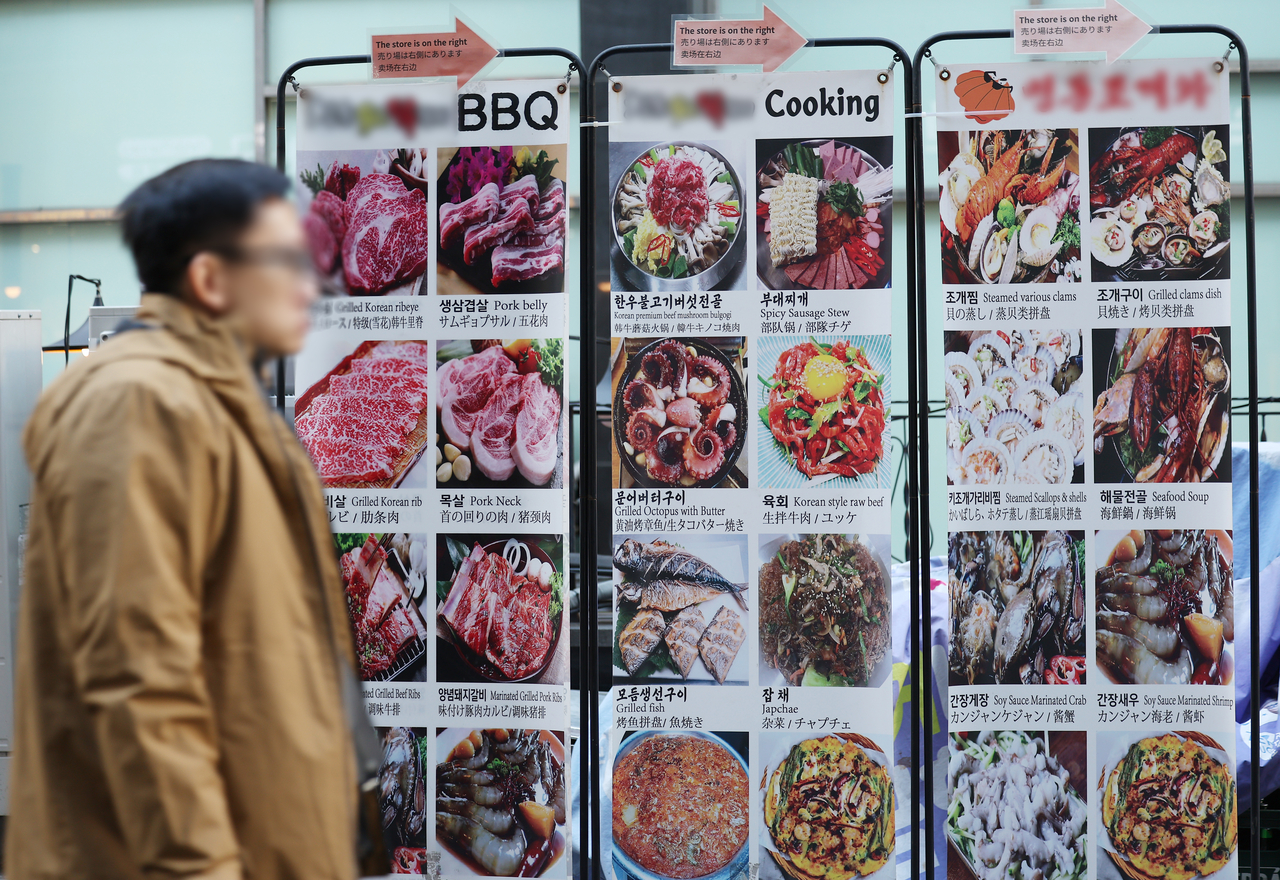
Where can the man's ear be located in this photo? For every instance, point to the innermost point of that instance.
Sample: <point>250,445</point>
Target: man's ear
<point>206,282</point>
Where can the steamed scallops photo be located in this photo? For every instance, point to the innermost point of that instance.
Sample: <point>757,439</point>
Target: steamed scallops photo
<point>1016,407</point>
<point>1010,205</point>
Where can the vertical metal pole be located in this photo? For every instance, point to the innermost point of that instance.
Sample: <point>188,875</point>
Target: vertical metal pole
<point>915,279</point>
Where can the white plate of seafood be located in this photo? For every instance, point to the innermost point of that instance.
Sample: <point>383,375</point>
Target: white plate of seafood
<point>680,613</point>
<point>1165,606</point>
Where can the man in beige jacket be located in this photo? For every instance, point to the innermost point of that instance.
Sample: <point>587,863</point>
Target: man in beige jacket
<point>183,651</point>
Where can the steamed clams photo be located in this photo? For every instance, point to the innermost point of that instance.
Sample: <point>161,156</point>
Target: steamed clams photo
<point>1010,206</point>
<point>1165,606</point>
<point>1159,201</point>
<point>1016,408</point>
<point>1163,405</point>
<point>1017,607</point>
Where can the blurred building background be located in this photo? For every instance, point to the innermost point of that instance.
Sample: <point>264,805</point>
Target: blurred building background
<point>98,95</point>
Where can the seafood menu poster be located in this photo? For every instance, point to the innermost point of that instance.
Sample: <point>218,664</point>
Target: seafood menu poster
<point>437,219</point>
<point>753,613</point>
<point>1085,266</point>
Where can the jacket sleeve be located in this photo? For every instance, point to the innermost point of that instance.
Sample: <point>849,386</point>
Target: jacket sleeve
<point>139,492</point>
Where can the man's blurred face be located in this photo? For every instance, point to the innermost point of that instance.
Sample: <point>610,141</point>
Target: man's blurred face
<point>269,284</point>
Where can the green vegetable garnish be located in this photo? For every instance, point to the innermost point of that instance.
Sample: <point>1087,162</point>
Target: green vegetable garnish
<point>550,360</point>
<point>794,412</point>
<point>1006,213</point>
<point>789,581</point>
<point>783,562</point>
<point>1156,135</point>
<point>557,596</point>
<point>639,170</point>
<point>539,166</point>
<point>822,415</point>
<point>844,198</point>
<point>1068,232</point>
<point>313,180</point>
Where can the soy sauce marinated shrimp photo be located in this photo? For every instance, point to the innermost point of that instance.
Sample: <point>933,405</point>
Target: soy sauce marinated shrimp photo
<point>1159,201</point>
<point>1016,406</point>
<point>501,801</point>
<point>1165,606</point>
<point>1010,206</point>
<point>1162,405</point>
<point>1017,610</point>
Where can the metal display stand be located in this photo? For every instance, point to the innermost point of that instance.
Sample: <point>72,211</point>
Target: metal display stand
<point>586,507</point>
<point>591,776</point>
<point>916,121</point>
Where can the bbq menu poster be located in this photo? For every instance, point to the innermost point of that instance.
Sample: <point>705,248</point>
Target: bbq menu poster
<point>752,280</point>
<point>1085,265</point>
<point>437,219</point>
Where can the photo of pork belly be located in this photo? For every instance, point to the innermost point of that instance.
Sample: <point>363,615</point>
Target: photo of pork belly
<point>502,215</point>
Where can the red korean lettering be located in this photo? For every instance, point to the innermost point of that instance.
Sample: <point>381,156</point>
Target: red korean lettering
<point>1040,90</point>
<point>1079,92</point>
<point>1194,88</point>
<point>1114,89</point>
<point>1155,87</point>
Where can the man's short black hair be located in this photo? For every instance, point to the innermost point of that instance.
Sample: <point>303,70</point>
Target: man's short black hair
<point>196,206</point>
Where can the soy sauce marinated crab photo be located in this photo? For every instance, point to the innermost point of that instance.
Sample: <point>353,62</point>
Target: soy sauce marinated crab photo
<point>1160,203</point>
<point>1163,410</point>
<point>1017,607</point>
<point>1010,205</point>
<point>1165,606</point>
<point>1016,406</point>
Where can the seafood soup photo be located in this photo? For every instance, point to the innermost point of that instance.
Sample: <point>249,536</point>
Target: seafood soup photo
<point>1165,606</point>
<point>503,219</point>
<point>1016,800</point>
<point>824,610</point>
<point>680,609</point>
<point>1159,202</point>
<point>1016,406</point>
<point>501,802</point>
<point>1010,206</point>
<point>402,797</point>
<point>679,413</point>
<point>1168,806</point>
<point>500,609</point>
<point>828,808</point>
<point>677,217</point>
<point>1163,405</point>
<point>680,806</point>
<point>1017,607</point>
<point>823,213</point>
<point>384,580</point>
<point>499,413</point>
<point>823,409</point>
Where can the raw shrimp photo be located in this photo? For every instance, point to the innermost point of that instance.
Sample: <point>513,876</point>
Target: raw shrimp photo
<point>1165,606</point>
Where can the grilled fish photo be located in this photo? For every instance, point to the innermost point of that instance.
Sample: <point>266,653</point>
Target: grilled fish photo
<point>645,565</point>
<point>640,637</point>
<point>682,638</point>
<point>720,643</point>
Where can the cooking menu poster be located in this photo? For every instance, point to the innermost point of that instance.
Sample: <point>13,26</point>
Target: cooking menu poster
<point>430,396</point>
<point>754,617</point>
<point>1085,263</point>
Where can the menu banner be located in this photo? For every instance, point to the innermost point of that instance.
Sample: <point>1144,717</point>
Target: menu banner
<point>751,316</point>
<point>437,219</point>
<point>1086,278</point>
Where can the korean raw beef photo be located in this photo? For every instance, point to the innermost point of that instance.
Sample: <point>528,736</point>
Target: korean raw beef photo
<point>502,221</point>
<point>366,220</point>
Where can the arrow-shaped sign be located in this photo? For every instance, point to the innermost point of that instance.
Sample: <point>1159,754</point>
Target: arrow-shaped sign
<point>462,53</point>
<point>701,42</point>
<point>1111,29</point>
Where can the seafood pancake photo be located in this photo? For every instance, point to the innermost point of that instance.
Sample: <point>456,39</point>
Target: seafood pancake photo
<point>1165,606</point>
<point>829,808</point>
<point>1016,406</point>
<point>681,805</point>
<point>1162,411</point>
<point>1017,607</point>
<point>1168,805</point>
<point>1010,206</point>
<point>680,609</point>
<point>500,801</point>
<point>1015,801</point>
<point>1159,203</point>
